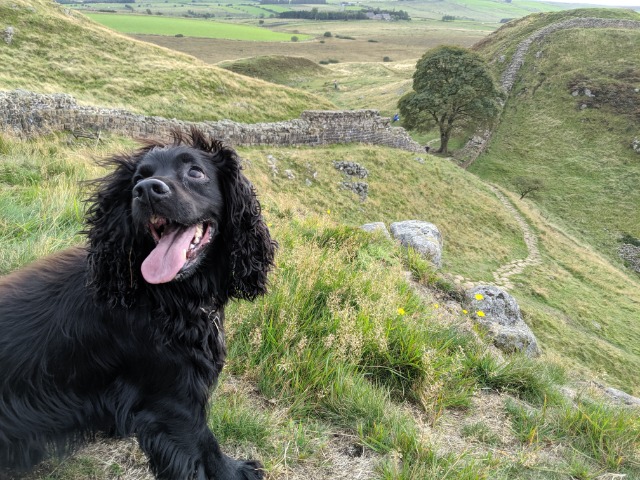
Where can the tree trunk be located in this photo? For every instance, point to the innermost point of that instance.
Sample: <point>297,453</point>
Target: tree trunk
<point>444,142</point>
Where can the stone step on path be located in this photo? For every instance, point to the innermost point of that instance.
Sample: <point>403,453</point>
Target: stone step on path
<point>502,275</point>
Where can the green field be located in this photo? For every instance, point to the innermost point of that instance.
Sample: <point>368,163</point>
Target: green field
<point>147,24</point>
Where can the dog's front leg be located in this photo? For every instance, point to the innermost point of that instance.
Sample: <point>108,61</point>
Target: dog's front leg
<point>181,447</point>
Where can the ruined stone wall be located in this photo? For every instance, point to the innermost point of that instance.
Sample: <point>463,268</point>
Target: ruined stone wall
<point>25,113</point>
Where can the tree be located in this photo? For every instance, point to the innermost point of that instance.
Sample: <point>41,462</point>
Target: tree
<point>526,185</point>
<point>452,88</point>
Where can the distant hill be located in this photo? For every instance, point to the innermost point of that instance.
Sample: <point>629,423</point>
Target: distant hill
<point>276,68</point>
<point>55,49</point>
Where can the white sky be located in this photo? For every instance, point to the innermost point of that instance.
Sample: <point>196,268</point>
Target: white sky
<point>609,3</point>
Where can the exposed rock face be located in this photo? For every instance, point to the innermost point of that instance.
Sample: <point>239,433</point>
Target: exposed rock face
<point>631,255</point>
<point>376,227</point>
<point>424,237</point>
<point>28,114</point>
<point>499,313</point>
<point>9,32</point>
<point>635,144</point>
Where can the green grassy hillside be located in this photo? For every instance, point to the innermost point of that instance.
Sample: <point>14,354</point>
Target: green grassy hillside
<point>360,346</point>
<point>584,302</point>
<point>343,345</point>
<point>58,50</point>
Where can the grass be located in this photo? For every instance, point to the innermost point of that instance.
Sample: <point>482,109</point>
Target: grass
<point>147,24</point>
<point>100,67</point>
<point>341,343</point>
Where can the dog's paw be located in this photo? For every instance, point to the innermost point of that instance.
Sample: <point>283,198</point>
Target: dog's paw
<point>250,470</point>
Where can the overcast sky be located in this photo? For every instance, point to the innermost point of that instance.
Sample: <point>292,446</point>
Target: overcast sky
<point>610,3</point>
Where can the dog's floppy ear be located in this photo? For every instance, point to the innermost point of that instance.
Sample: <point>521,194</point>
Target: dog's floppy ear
<point>250,245</point>
<point>112,241</point>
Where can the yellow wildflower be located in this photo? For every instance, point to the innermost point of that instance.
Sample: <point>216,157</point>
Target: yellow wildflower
<point>329,211</point>
<point>479,296</point>
<point>480,313</point>
<point>401,311</point>
<point>435,305</point>
<point>465,312</point>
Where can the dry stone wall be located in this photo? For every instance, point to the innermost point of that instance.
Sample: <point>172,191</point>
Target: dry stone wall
<point>477,144</point>
<point>25,113</point>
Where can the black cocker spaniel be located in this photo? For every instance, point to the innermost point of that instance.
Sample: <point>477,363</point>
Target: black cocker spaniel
<point>125,336</point>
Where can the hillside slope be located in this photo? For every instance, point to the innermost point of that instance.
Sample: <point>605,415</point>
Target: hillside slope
<point>55,49</point>
<point>569,122</point>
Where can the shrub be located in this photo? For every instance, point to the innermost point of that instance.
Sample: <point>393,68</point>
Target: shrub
<point>386,59</point>
<point>327,34</point>
<point>179,35</point>
<point>294,39</point>
<point>260,22</point>
<point>323,62</point>
<point>372,41</point>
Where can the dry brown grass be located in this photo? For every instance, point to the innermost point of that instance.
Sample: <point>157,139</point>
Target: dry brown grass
<point>400,41</point>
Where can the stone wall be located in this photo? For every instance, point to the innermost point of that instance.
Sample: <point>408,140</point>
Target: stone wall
<point>25,113</point>
<point>509,75</point>
<point>473,148</point>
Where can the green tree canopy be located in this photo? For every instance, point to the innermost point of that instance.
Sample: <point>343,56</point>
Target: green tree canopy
<point>452,87</point>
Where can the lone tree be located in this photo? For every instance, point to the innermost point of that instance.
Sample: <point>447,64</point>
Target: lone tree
<point>452,87</point>
<point>526,185</point>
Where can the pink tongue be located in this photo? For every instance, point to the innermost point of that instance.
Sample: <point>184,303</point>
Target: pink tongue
<point>165,261</point>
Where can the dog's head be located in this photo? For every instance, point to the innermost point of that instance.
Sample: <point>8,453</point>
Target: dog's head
<point>177,212</point>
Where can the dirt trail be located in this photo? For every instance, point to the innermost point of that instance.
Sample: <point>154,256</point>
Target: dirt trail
<point>502,276</point>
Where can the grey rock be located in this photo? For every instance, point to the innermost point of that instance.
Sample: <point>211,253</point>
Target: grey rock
<point>361,188</point>
<point>588,93</point>
<point>289,174</point>
<point>635,144</point>
<point>9,32</point>
<point>502,319</point>
<point>351,169</point>
<point>575,93</point>
<point>621,397</point>
<point>631,255</point>
<point>422,236</point>
<point>376,227</point>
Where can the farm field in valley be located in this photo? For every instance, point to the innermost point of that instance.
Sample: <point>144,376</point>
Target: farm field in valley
<point>186,26</point>
<point>372,41</point>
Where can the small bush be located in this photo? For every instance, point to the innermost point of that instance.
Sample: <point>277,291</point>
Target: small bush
<point>327,34</point>
<point>179,35</point>
<point>260,22</point>
<point>321,41</point>
<point>323,62</point>
<point>333,60</point>
<point>628,238</point>
<point>386,59</point>
<point>294,39</point>
<point>372,41</point>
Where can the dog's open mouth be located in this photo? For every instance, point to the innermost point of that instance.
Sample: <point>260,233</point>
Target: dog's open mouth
<point>178,248</point>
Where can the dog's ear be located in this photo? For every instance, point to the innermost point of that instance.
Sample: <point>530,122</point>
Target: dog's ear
<point>112,241</point>
<point>251,248</point>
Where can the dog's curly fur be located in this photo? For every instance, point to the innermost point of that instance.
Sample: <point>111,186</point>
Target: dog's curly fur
<point>89,343</point>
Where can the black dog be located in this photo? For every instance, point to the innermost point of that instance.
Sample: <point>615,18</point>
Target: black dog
<point>125,336</point>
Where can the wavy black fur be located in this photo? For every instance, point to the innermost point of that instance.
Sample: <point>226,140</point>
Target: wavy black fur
<point>87,345</point>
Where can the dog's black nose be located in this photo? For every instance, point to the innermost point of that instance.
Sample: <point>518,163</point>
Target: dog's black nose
<point>151,189</point>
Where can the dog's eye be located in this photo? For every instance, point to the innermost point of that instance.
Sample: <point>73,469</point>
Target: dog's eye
<point>196,172</point>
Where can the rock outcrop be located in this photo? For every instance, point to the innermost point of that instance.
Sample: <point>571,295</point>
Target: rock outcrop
<point>499,313</point>
<point>424,237</point>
